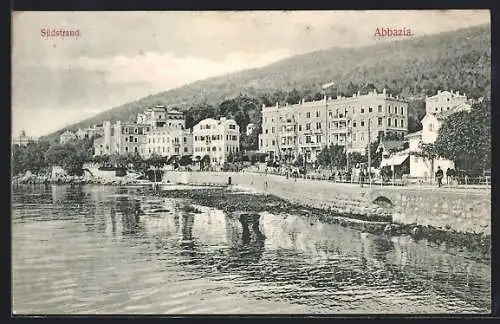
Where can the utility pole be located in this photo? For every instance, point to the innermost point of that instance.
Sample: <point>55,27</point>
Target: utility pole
<point>369,153</point>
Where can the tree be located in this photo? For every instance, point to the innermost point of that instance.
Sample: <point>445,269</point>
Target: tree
<point>356,157</point>
<point>293,97</point>
<point>299,160</point>
<point>465,138</point>
<point>332,156</point>
<point>375,157</point>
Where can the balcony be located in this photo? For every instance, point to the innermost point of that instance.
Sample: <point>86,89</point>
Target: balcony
<point>342,130</point>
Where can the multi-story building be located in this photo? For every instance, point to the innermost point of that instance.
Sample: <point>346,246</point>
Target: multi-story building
<point>159,116</point>
<point>352,122</point>
<point>445,101</point>
<point>216,138</point>
<point>438,108</point>
<point>121,138</point>
<point>166,141</point>
<point>89,132</point>
<point>67,136</point>
<point>157,131</point>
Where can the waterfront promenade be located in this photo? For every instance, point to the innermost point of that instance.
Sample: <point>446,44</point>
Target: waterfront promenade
<point>464,210</point>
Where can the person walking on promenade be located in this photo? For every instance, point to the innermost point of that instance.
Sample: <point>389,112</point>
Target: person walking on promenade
<point>361,176</point>
<point>439,176</point>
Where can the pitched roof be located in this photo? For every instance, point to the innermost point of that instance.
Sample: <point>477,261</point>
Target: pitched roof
<point>393,145</point>
<point>414,134</point>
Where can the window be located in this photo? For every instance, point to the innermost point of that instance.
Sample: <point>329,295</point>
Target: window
<point>362,123</point>
<point>447,108</point>
<point>389,109</point>
<point>300,128</point>
<point>185,140</point>
<point>185,149</point>
<point>234,137</point>
<point>395,122</point>
<point>126,139</point>
<point>431,127</point>
<point>370,109</point>
<point>402,111</point>
<point>272,130</point>
<point>330,114</point>
<point>402,123</point>
<point>388,122</point>
<point>318,138</point>
<point>308,139</point>
<point>318,125</point>
<point>308,114</point>
<point>126,130</point>
<point>379,108</point>
<point>362,110</point>
<point>274,142</point>
<point>232,126</point>
<point>135,139</point>
<point>317,113</point>
<point>267,131</point>
<point>354,123</point>
<point>308,126</point>
<point>436,109</point>
<point>380,121</point>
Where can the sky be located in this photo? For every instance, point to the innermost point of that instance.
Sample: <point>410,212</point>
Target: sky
<point>124,56</point>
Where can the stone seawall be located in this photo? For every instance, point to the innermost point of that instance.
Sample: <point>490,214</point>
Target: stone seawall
<point>458,209</point>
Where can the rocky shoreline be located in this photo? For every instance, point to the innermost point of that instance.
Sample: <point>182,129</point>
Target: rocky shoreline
<point>475,246</point>
<point>80,180</point>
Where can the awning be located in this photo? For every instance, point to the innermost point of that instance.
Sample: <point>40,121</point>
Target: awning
<point>394,160</point>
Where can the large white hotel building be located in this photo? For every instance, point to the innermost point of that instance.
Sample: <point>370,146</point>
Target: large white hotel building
<point>307,127</point>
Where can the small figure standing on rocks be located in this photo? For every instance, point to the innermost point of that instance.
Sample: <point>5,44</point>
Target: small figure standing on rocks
<point>439,176</point>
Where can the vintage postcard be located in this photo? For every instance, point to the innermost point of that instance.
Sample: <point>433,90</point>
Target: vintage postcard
<point>251,162</point>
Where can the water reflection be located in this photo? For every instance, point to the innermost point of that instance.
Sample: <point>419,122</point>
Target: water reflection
<point>281,258</point>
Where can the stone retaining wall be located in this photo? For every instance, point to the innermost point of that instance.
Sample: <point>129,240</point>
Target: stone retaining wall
<point>459,209</point>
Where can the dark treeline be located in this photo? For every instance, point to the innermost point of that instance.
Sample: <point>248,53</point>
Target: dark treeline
<point>39,157</point>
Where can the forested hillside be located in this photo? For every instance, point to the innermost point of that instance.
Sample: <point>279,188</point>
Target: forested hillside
<point>458,60</point>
